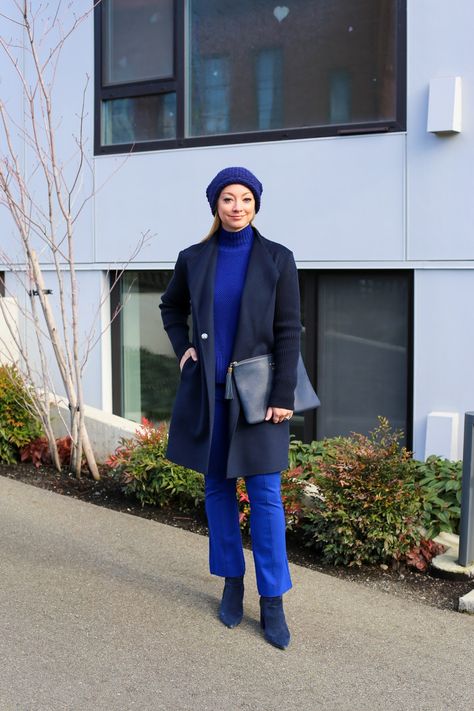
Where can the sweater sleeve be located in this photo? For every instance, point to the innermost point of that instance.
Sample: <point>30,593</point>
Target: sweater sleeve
<point>175,308</point>
<point>287,333</point>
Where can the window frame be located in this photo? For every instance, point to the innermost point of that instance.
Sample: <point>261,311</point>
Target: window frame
<point>138,88</point>
<point>178,85</point>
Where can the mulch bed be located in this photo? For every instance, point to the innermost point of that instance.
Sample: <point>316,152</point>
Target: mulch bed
<point>403,582</point>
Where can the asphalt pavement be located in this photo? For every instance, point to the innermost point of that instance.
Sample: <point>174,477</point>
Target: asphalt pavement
<point>103,611</point>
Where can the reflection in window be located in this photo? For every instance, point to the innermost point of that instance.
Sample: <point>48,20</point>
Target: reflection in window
<point>213,97</point>
<point>142,118</point>
<point>278,60</point>
<point>269,88</point>
<point>138,40</point>
<point>340,96</point>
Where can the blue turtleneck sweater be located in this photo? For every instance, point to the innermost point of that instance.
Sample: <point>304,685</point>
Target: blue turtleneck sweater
<point>231,269</point>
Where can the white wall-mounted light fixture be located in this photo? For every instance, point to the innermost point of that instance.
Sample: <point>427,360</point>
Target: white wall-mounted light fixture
<point>445,105</point>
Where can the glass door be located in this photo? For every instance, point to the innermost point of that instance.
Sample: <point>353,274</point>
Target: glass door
<point>358,348</point>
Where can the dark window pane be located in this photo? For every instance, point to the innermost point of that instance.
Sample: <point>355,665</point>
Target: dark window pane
<point>305,64</point>
<point>362,352</point>
<point>142,118</point>
<point>137,40</point>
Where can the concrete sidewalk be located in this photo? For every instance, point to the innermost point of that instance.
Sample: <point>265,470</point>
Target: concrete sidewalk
<point>104,611</point>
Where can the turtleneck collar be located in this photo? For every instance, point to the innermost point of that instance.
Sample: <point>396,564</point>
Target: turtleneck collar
<point>241,238</point>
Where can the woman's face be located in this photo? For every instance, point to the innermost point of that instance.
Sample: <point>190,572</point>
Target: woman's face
<point>236,207</point>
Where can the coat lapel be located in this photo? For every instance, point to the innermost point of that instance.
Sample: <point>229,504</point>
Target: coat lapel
<point>261,278</point>
<point>201,287</point>
<point>201,284</point>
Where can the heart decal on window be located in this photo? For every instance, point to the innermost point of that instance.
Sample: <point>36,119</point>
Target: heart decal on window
<point>280,12</point>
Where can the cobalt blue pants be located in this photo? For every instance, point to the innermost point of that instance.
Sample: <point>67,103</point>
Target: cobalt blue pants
<point>267,518</point>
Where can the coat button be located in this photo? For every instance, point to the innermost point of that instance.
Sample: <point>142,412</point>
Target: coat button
<point>204,336</point>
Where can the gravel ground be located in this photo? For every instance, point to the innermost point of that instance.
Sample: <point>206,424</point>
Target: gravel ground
<point>403,582</point>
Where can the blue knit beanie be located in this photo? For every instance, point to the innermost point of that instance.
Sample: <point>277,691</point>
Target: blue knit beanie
<point>229,176</point>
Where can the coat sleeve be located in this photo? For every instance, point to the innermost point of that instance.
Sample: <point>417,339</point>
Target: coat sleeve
<point>175,308</point>
<point>287,333</point>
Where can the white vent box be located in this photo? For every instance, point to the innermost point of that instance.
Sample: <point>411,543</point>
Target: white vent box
<point>444,105</point>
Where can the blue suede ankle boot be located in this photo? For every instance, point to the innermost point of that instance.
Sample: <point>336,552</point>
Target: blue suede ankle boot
<point>232,610</point>
<point>272,621</point>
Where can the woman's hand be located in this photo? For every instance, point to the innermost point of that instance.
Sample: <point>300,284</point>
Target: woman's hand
<point>278,414</point>
<point>190,353</point>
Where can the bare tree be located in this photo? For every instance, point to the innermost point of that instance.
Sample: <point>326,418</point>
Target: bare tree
<point>44,205</point>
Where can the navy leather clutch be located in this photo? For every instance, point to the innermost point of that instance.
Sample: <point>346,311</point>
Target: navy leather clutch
<point>253,378</point>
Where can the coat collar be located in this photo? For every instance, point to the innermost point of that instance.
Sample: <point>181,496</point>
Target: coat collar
<point>261,275</point>
<point>203,269</point>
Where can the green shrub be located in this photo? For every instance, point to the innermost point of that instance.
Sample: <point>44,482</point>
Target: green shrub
<point>369,510</point>
<point>148,475</point>
<point>372,502</point>
<point>18,424</point>
<point>440,483</point>
<point>305,455</point>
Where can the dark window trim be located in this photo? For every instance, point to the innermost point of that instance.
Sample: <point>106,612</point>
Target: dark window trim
<point>175,84</point>
<point>311,346</point>
<point>2,283</point>
<point>411,360</point>
<point>116,341</point>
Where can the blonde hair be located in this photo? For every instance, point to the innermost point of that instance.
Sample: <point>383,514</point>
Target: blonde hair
<point>214,227</point>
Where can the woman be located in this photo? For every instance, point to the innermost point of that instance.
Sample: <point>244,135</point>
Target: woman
<point>242,292</point>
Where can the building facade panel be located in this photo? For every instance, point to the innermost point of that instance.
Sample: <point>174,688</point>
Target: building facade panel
<point>443,347</point>
<point>327,199</point>
<point>440,175</point>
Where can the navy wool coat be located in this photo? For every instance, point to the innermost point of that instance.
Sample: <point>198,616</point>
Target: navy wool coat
<point>269,322</point>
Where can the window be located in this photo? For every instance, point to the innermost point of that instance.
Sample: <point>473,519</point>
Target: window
<point>198,72</point>
<point>356,343</point>
<point>2,284</point>
<point>357,346</point>
<point>144,368</point>
<point>135,67</point>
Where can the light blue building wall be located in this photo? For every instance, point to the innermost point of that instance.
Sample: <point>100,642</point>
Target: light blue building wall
<point>382,201</point>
